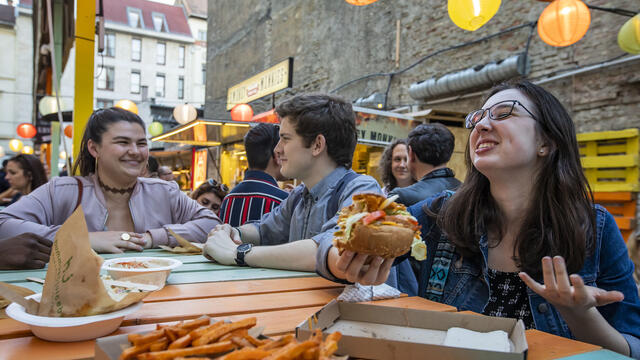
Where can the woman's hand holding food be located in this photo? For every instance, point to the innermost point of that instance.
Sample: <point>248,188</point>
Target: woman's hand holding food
<point>567,293</point>
<point>220,247</point>
<point>114,241</point>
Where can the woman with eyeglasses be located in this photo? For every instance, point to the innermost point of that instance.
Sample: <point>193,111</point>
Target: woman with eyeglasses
<point>123,211</point>
<point>521,238</point>
<point>210,194</point>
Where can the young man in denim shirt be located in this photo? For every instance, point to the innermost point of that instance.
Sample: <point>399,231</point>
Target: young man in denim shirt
<point>317,140</point>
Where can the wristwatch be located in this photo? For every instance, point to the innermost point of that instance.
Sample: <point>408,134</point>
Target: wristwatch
<point>241,251</point>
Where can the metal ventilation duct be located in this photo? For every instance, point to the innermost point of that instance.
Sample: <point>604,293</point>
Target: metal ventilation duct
<point>477,76</point>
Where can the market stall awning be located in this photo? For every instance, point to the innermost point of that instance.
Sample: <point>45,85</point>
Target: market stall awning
<point>380,128</point>
<point>205,133</point>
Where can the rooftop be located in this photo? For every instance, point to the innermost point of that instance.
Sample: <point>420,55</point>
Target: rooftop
<point>147,15</point>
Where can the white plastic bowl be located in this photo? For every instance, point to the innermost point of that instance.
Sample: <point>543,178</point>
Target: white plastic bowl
<point>66,329</point>
<point>117,273</point>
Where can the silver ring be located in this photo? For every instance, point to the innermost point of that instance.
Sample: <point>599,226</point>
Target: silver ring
<point>125,236</point>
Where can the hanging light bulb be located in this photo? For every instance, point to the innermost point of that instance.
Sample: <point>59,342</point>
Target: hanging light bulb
<point>472,14</point>
<point>629,36</point>
<point>564,22</point>
<point>63,155</point>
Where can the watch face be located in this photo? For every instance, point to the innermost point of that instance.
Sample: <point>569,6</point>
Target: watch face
<point>244,247</point>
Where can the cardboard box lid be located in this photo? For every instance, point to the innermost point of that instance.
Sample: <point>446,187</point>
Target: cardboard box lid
<point>382,332</point>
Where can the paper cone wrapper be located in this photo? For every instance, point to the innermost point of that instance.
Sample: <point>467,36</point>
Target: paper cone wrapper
<point>73,286</point>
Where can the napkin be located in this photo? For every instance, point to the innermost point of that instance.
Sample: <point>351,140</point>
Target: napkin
<point>358,293</point>
<point>464,338</point>
<point>186,247</point>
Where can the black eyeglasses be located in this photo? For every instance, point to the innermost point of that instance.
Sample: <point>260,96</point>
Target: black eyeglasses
<point>218,185</point>
<point>499,111</point>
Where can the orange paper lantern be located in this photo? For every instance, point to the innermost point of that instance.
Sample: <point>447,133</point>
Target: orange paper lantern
<point>241,112</point>
<point>68,131</point>
<point>360,2</point>
<point>564,22</point>
<point>26,130</point>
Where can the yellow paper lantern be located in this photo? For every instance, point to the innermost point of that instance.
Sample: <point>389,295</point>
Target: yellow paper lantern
<point>360,2</point>
<point>564,22</point>
<point>629,36</point>
<point>155,128</point>
<point>63,155</point>
<point>127,105</point>
<point>15,145</point>
<point>27,150</point>
<point>472,14</point>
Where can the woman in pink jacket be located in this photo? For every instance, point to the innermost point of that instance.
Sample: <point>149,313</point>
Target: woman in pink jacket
<point>123,211</point>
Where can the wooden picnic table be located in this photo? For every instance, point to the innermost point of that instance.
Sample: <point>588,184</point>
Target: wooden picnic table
<point>279,302</point>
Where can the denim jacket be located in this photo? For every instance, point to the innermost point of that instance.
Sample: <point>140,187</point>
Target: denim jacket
<point>608,267</point>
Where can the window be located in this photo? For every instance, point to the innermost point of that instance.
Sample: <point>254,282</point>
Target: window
<point>136,49</point>
<point>161,51</point>
<point>135,81</point>
<point>135,18</point>
<point>160,85</point>
<point>110,45</point>
<point>204,74</point>
<point>104,103</point>
<point>202,35</point>
<point>105,79</point>
<point>181,56</point>
<point>159,22</point>
<point>180,87</point>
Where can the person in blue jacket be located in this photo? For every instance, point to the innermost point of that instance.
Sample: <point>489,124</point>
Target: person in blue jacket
<point>521,238</point>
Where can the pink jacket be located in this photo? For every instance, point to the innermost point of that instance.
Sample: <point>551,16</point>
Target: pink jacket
<point>156,205</point>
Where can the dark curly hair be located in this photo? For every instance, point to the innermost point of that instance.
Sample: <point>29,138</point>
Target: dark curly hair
<point>384,166</point>
<point>210,186</point>
<point>432,143</point>
<point>320,114</point>
<point>32,167</point>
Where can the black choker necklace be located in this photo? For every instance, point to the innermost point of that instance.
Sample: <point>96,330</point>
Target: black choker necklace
<point>114,190</point>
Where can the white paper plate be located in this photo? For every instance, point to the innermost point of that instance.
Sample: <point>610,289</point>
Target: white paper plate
<point>170,264</point>
<point>70,328</point>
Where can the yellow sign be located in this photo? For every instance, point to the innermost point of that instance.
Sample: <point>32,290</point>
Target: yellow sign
<point>265,83</point>
<point>199,168</point>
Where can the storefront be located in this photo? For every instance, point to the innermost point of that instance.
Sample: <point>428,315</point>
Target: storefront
<point>216,152</point>
<point>377,129</point>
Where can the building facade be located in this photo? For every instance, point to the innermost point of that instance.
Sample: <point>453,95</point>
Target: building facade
<point>333,42</point>
<point>16,80</point>
<point>148,55</point>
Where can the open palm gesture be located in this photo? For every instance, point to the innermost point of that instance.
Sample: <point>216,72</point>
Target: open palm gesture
<point>568,293</point>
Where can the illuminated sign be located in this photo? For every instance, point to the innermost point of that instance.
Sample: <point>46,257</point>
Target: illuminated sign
<point>265,83</point>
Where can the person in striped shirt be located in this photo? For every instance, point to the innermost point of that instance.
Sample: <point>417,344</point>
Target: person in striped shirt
<point>258,193</point>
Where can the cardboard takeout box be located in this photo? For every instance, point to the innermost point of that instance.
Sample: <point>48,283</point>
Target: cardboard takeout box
<point>381,332</point>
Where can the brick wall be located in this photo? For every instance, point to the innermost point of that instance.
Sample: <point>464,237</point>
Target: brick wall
<point>333,42</point>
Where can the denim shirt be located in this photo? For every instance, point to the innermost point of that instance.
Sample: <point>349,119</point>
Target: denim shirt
<point>608,268</point>
<point>307,218</point>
